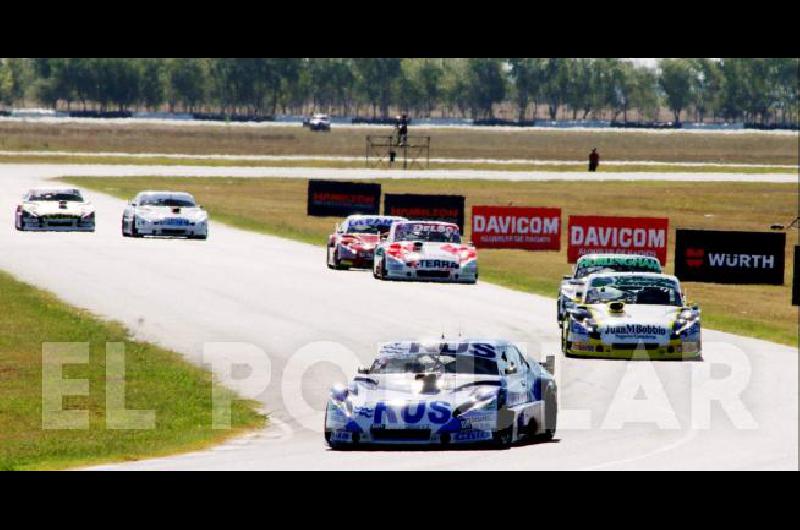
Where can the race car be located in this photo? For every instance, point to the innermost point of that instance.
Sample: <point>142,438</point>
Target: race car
<point>164,213</point>
<point>571,288</point>
<point>54,209</point>
<point>632,315</point>
<point>426,251</point>
<point>318,122</point>
<point>444,392</point>
<point>354,241</point>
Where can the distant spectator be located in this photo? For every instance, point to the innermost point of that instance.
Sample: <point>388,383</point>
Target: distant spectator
<point>594,160</point>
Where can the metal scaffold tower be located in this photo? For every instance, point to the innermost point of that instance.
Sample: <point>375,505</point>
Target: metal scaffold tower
<point>383,151</point>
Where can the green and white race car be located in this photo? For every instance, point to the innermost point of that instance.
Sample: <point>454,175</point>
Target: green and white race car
<point>571,288</point>
<point>632,315</point>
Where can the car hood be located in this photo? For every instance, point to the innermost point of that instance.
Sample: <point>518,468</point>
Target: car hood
<point>160,212</point>
<point>635,320</point>
<point>58,207</point>
<point>400,389</point>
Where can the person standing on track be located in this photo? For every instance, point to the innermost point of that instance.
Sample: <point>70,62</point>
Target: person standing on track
<point>594,159</point>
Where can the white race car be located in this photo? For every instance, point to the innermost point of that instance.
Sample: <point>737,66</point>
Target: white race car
<point>444,392</point>
<point>164,213</point>
<point>427,251</point>
<point>633,314</point>
<point>572,286</point>
<point>56,209</point>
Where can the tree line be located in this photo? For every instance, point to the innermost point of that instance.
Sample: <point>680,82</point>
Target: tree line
<point>754,90</point>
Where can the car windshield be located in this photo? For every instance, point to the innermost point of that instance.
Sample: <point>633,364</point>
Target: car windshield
<point>367,226</point>
<point>595,265</point>
<point>56,195</point>
<point>166,200</point>
<point>432,232</point>
<point>634,290</point>
<point>423,363</point>
<point>447,358</point>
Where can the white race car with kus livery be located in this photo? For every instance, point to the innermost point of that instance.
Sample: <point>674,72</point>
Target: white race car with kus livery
<point>166,214</point>
<point>633,315</point>
<point>572,286</point>
<point>426,251</point>
<point>355,239</point>
<point>54,209</point>
<point>444,393</point>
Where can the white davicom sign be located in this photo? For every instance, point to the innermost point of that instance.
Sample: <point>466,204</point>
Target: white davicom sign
<point>624,235</point>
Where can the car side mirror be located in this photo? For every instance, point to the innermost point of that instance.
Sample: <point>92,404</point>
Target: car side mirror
<point>363,370</point>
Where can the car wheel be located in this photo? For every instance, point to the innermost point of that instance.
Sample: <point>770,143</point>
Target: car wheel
<point>383,270</point>
<point>550,415</point>
<point>134,232</point>
<point>503,436</point>
<point>328,258</point>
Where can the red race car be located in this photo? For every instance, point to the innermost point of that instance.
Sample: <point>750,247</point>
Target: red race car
<point>353,244</point>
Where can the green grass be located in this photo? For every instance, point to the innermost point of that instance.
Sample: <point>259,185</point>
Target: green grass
<point>156,379</point>
<point>278,207</point>
<point>478,142</point>
<point>476,166</point>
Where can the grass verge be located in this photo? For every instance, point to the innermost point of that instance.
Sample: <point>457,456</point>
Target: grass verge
<point>541,144</point>
<point>476,166</point>
<point>278,207</point>
<point>156,379</point>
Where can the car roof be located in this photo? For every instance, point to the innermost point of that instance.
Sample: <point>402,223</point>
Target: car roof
<point>356,217</point>
<point>615,256</point>
<point>429,221</point>
<point>52,190</point>
<point>631,273</point>
<point>398,347</point>
<point>165,193</point>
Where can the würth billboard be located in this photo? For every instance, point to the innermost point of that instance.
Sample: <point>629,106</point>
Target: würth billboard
<point>589,234</point>
<point>723,256</point>
<point>520,227</point>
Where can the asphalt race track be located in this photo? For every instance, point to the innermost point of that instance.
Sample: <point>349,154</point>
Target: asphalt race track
<point>277,296</point>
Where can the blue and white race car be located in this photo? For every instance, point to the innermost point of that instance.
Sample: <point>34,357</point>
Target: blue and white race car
<point>444,392</point>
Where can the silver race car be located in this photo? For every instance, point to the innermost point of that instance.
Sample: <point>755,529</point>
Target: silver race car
<point>444,392</point>
<point>54,209</point>
<point>164,213</point>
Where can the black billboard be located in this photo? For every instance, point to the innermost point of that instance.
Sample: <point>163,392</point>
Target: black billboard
<point>723,256</point>
<point>334,198</point>
<point>795,279</point>
<point>426,207</point>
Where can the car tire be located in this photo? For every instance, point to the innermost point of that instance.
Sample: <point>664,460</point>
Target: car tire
<point>503,436</point>
<point>134,232</point>
<point>550,415</point>
<point>328,258</point>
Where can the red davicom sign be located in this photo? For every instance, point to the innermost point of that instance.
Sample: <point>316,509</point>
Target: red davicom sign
<point>516,227</point>
<point>624,235</point>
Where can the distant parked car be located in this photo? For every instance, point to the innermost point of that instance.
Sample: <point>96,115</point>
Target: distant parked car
<point>318,122</point>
